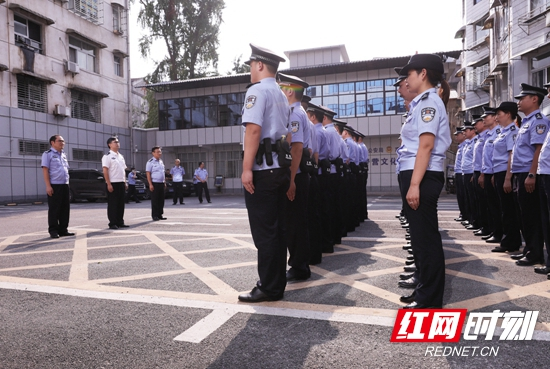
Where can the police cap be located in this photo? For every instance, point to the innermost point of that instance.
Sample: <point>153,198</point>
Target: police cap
<point>427,61</point>
<point>459,130</point>
<point>265,56</point>
<point>339,122</point>
<point>401,77</point>
<point>476,118</point>
<point>312,107</point>
<point>328,112</point>
<point>306,98</point>
<point>468,125</point>
<point>531,90</point>
<point>488,111</point>
<point>288,80</point>
<point>508,106</point>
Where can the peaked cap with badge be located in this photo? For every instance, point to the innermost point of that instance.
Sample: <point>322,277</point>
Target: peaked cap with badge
<point>288,80</point>
<point>265,56</point>
<point>527,90</point>
<point>420,61</point>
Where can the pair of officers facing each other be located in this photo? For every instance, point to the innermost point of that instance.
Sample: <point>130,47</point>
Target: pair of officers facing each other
<point>425,138</point>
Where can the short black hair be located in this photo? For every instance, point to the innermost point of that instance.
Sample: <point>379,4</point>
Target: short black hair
<point>53,138</point>
<point>111,139</point>
<point>155,148</point>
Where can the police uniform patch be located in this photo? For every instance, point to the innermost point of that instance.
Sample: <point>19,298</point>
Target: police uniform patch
<point>294,126</point>
<point>250,101</point>
<point>514,138</point>
<point>498,131</point>
<point>541,129</point>
<point>427,114</point>
<point>538,116</point>
<point>512,128</point>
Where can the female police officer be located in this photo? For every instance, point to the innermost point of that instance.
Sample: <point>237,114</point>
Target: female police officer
<point>425,139</point>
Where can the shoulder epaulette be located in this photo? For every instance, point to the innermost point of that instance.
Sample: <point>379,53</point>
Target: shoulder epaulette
<point>538,116</point>
<point>498,131</point>
<point>513,128</point>
<point>425,96</point>
<point>151,159</point>
<point>47,151</point>
<point>251,84</point>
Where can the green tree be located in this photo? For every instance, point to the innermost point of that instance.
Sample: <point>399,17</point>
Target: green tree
<point>189,30</point>
<point>152,120</point>
<point>238,66</point>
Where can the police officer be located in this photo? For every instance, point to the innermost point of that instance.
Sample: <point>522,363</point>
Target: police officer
<point>156,176</point>
<point>201,182</point>
<point>132,186</point>
<point>481,201</point>
<point>543,179</point>
<point>177,173</point>
<point>266,176</point>
<point>485,179</point>
<point>459,178</point>
<point>425,140</point>
<point>468,173</point>
<point>299,131</point>
<point>525,159</point>
<point>364,164</point>
<point>319,229</point>
<point>114,172</point>
<point>55,169</point>
<point>506,114</point>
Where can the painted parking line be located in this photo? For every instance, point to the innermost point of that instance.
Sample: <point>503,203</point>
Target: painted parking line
<point>206,326</point>
<point>189,224</point>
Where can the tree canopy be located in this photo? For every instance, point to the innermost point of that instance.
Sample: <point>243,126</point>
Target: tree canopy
<point>189,30</point>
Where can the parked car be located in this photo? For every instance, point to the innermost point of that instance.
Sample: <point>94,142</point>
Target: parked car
<point>86,184</point>
<point>142,189</point>
<point>188,186</point>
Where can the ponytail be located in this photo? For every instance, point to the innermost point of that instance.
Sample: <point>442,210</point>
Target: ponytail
<point>444,92</point>
<point>435,79</point>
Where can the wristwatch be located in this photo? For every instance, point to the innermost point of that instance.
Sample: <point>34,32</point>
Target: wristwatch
<point>531,175</point>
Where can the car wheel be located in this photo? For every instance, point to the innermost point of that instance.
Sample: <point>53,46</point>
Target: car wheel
<point>146,195</point>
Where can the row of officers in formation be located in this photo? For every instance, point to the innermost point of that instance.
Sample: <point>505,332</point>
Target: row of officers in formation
<point>502,177</point>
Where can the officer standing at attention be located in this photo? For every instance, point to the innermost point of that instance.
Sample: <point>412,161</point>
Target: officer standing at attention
<point>468,173</point>
<point>425,140</point>
<point>507,112</point>
<point>297,194</point>
<point>525,160</point>
<point>459,178</point>
<point>157,182</point>
<point>55,169</point>
<point>364,164</point>
<point>132,186</point>
<point>265,180</point>
<point>486,177</point>
<point>201,182</point>
<point>177,173</point>
<point>114,172</point>
<point>481,201</point>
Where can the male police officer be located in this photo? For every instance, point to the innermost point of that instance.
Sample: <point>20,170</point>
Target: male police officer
<point>265,120</point>
<point>481,201</point>
<point>177,173</point>
<point>156,176</point>
<point>55,169</point>
<point>114,172</point>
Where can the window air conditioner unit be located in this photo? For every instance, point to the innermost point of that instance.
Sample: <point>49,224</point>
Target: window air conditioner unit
<point>73,67</point>
<point>62,110</point>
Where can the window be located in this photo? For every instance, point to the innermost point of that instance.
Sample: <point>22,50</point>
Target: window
<point>83,54</point>
<point>119,19</point>
<point>27,33</point>
<point>229,164</point>
<point>87,155</point>
<point>31,94</point>
<point>479,33</point>
<point>476,76</point>
<point>118,66</point>
<point>85,106</point>
<point>540,70</point>
<point>27,147</point>
<point>88,9</point>
<point>476,1</point>
<point>536,6</point>
<point>190,161</point>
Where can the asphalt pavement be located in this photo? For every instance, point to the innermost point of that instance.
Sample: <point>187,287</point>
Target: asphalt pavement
<point>164,294</point>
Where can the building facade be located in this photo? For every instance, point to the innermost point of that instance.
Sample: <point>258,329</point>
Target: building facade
<point>200,119</point>
<point>64,69</point>
<point>506,42</point>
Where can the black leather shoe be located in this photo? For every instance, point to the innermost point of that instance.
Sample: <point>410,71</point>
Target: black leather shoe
<point>498,249</point>
<point>525,262</point>
<point>123,226</point>
<point>465,223</point>
<point>138,202</point>
<point>494,239</point>
<point>542,270</point>
<point>410,257</point>
<point>459,219</point>
<point>292,275</point>
<point>410,251</point>
<point>162,218</point>
<point>407,237</point>
<point>66,234</point>
<point>407,298</point>
<point>487,236</point>
<point>113,226</point>
<point>54,235</point>
<point>409,262</point>
<point>156,219</point>
<point>406,275</point>
<point>408,283</point>
<point>410,268</point>
<point>472,227</point>
<point>256,295</point>
<point>405,225</point>
<point>210,202</point>
<point>407,247</point>
<point>517,257</point>
<point>415,305</point>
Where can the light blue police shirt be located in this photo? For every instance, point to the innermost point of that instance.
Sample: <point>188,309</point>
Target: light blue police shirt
<point>333,144</point>
<point>321,136</point>
<point>156,168</point>
<point>544,158</point>
<point>502,145</point>
<point>177,173</point>
<point>131,178</point>
<point>532,132</point>
<point>459,156</point>
<point>352,149</point>
<point>428,115</point>
<point>468,157</point>
<point>298,126</point>
<point>57,164</point>
<point>487,163</point>
<point>266,106</point>
<point>478,151</point>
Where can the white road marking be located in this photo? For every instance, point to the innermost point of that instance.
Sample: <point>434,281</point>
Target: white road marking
<point>201,224</point>
<point>207,325</point>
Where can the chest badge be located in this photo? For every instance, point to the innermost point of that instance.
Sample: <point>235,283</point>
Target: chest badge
<point>427,114</point>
